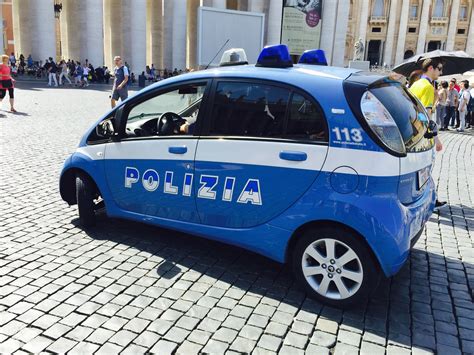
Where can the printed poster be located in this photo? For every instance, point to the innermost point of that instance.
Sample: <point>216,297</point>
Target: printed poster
<point>301,25</point>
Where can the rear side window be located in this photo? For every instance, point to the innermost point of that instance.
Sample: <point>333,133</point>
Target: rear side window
<point>248,109</point>
<point>243,109</point>
<point>305,121</point>
<point>406,111</point>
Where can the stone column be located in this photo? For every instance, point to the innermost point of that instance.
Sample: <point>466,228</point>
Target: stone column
<point>2,45</point>
<point>137,12</point>
<point>191,37</point>
<point>402,32</point>
<point>328,28</point>
<point>73,25</point>
<point>453,22</point>
<point>274,22</point>
<point>420,47</point>
<point>470,36</point>
<point>168,35</point>
<point>113,31</point>
<point>34,28</point>
<point>341,33</point>
<point>363,24</point>
<point>392,19</point>
<point>44,35</point>
<point>179,34</point>
<point>94,31</point>
<point>256,6</point>
<point>219,4</point>
<point>154,33</point>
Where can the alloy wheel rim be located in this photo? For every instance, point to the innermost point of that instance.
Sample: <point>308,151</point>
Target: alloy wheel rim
<point>332,269</point>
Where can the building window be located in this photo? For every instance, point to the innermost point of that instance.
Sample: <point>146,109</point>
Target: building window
<point>463,12</point>
<point>379,8</point>
<point>461,31</point>
<point>412,29</point>
<point>438,9</point>
<point>414,11</point>
<point>377,29</point>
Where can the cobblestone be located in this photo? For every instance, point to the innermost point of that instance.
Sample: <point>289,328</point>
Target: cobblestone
<point>129,287</point>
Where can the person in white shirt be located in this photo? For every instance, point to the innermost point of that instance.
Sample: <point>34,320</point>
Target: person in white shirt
<point>85,75</point>
<point>464,97</point>
<point>63,74</point>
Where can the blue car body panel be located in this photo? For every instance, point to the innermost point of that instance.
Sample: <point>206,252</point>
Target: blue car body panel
<point>259,207</point>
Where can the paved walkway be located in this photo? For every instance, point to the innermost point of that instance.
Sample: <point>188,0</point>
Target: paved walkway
<point>128,287</point>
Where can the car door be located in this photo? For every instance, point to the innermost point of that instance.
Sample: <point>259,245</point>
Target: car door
<point>150,170</point>
<point>263,147</point>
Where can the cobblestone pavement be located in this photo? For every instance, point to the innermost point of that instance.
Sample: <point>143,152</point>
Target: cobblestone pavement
<point>128,287</point>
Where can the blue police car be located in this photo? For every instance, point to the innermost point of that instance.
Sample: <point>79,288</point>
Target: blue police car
<point>327,169</point>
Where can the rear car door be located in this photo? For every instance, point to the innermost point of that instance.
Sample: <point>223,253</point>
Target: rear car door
<point>264,145</point>
<point>150,171</point>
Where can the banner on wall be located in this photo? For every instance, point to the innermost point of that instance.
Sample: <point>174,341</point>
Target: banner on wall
<point>301,25</point>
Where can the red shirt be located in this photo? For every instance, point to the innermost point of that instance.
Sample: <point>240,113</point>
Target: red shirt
<point>5,74</point>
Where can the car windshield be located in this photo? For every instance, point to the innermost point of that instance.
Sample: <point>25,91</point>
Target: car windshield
<point>177,101</point>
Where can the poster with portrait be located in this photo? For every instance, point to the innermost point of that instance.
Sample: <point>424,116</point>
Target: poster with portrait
<point>301,25</point>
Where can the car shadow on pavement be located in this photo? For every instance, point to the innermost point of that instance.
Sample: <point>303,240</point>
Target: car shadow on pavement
<point>411,309</point>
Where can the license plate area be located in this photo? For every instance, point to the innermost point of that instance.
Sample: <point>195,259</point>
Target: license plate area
<point>422,177</point>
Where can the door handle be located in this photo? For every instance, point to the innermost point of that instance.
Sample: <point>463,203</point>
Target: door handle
<point>293,156</point>
<point>178,150</point>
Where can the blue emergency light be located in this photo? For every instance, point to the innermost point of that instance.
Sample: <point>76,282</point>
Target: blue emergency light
<point>276,56</point>
<point>314,57</point>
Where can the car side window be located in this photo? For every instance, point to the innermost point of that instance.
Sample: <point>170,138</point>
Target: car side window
<point>249,110</point>
<point>306,120</point>
<point>168,113</point>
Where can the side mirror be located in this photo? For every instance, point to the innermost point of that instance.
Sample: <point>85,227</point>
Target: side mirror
<point>105,129</point>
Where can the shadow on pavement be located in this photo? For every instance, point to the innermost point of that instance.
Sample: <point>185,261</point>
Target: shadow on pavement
<point>401,313</point>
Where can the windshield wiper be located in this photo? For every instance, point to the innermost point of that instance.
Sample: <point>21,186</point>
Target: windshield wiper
<point>141,115</point>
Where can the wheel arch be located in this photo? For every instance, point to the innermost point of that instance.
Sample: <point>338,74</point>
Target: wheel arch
<point>67,184</point>
<point>328,223</point>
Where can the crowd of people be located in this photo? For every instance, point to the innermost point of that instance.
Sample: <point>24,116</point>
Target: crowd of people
<point>453,102</point>
<point>79,74</point>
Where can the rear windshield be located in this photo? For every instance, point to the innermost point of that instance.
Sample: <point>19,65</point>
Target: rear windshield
<point>408,113</point>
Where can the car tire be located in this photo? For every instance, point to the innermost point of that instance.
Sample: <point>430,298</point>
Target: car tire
<point>335,266</point>
<point>85,193</point>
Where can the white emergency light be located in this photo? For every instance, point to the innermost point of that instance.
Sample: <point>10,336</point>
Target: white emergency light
<point>233,56</point>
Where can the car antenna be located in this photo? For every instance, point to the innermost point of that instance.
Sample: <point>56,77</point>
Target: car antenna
<point>207,66</point>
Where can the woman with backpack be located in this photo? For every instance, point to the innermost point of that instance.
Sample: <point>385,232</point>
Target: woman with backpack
<point>6,82</point>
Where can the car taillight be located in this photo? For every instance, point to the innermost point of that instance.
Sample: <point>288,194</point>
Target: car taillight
<point>381,123</point>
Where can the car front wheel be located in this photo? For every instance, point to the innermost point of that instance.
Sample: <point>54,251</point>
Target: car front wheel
<point>85,194</point>
<point>334,266</point>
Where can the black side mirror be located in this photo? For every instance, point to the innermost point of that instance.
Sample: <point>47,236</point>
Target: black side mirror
<point>105,129</point>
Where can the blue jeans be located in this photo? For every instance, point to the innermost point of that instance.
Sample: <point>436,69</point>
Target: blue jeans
<point>450,116</point>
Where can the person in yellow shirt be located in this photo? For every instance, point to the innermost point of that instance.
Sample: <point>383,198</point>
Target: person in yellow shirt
<point>423,89</point>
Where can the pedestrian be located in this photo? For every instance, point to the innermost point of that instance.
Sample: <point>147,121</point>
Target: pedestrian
<point>6,82</point>
<point>78,75</point>
<point>52,73</point>
<point>12,59</point>
<point>423,89</point>
<point>441,104</point>
<point>64,70</point>
<point>121,74</point>
<point>85,74</point>
<point>29,61</point>
<point>451,103</point>
<point>464,98</point>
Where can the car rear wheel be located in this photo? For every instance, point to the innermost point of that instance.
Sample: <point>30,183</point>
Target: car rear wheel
<point>334,266</point>
<point>85,194</point>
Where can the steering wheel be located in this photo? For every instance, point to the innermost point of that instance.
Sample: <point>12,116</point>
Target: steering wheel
<point>169,123</point>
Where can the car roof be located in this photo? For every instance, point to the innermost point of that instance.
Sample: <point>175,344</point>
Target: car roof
<point>300,75</point>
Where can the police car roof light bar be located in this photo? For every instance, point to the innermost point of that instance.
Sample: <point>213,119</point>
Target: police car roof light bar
<point>313,57</point>
<point>276,56</point>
